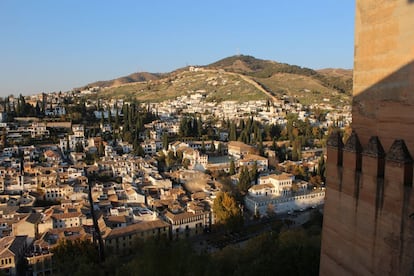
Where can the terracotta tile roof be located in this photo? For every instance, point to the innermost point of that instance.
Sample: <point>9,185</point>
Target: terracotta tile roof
<point>261,186</point>
<point>34,218</point>
<point>51,237</point>
<point>137,228</point>
<point>131,192</point>
<point>237,144</point>
<point>117,219</point>
<point>7,210</point>
<point>10,246</point>
<point>66,215</point>
<point>253,157</point>
<point>51,154</point>
<point>180,216</point>
<point>283,176</point>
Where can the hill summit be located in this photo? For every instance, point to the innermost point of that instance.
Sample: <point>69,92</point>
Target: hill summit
<point>337,79</point>
<point>240,78</point>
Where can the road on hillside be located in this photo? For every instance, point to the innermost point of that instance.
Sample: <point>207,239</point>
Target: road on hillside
<point>250,81</point>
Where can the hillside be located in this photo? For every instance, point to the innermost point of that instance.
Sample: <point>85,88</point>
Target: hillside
<point>306,90</point>
<point>337,72</point>
<point>218,86</point>
<point>335,79</point>
<point>260,68</point>
<point>135,77</point>
<point>239,78</point>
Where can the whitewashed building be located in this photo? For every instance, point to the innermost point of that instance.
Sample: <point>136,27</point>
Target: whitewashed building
<point>281,194</point>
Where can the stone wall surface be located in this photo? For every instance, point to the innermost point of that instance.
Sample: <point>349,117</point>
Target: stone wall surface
<point>384,71</point>
<point>369,207</point>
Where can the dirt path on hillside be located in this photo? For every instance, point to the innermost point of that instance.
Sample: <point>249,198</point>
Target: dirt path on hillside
<point>250,81</point>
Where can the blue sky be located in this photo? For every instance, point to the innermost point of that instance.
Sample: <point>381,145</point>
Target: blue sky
<point>50,45</point>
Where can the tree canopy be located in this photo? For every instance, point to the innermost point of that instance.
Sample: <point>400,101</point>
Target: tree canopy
<point>227,210</point>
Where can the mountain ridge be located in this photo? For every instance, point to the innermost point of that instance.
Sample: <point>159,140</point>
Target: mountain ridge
<point>250,74</point>
<point>134,77</point>
<point>262,69</point>
<point>242,64</point>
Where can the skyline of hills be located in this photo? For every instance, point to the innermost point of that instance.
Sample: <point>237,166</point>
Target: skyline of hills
<point>246,65</point>
<point>237,77</point>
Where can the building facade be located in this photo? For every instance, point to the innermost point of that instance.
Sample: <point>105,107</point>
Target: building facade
<point>275,194</point>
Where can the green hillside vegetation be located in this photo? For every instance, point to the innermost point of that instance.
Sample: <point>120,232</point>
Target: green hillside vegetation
<point>219,86</point>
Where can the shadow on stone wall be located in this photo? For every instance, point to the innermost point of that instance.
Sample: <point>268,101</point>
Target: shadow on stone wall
<point>369,207</point>
<point>386,108</point>
<point>396,87</point>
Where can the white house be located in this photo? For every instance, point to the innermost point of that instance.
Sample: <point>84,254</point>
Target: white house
<point>149,146</point>
<point>55,111</point>
<point>196,160</point>
<point>67,219</point>
<point>186,224</point>
<point>58,192</point>
<point>250,159</point>
<point>38,130</point>
<point>281,193</point>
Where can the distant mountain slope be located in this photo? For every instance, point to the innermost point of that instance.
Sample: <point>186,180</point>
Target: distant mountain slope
<point>262,69</point>
<point>337,72</point>
<point>239,78</point>
<point>135,77</point>
<point>217,86</point>
<point>252,66</point>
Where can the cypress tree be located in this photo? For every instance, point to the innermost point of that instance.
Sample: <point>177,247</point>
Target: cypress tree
<point>199,127</point>
<point>213,147</point>
<point>203,147</point>
<point>233,132</point>
<point>109,117</point>
<point>165,141</point>
<point>232,169</point>
<point>116,117</point>
<point>244,180</point>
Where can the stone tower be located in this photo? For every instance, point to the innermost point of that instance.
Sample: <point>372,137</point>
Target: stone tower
<point>369,209</point>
